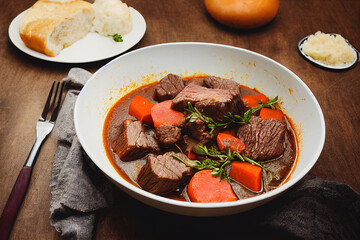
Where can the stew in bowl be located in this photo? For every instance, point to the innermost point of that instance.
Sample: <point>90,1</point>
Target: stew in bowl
<point>128,124</point>
<point>200,139</point>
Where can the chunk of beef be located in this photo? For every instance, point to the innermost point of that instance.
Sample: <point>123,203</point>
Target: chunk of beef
<point>168,87</point>
<point>198,130</point>
<point>263,138</point>
<point>221,83</point>
<point>167,135</point>
<point>248,92</point>
<point>197,81</point>
<point>213,103</point>
<point>187,143</point>
<point>282,166</point>
<point>134,141</point>
<point>163,174</point>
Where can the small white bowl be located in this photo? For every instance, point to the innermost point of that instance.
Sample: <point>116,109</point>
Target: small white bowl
<point>150,64</point>
<point>323,65</point>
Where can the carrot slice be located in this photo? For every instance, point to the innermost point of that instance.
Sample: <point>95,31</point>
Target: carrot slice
<point>204,187</point>
<point>162,113</point>
<point>247,174</point>
<point>253,100</point>
<point>226,141</point>
<point>140,108</point>
<point>268,113</point>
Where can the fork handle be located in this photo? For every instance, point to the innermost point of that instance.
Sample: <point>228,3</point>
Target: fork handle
<point>14,202</point>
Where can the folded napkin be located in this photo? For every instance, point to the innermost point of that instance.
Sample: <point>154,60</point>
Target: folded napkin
<point>77,187</point>
<point>312,209</point>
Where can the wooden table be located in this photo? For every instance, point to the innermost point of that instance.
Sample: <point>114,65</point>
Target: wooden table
<point>25,81</point>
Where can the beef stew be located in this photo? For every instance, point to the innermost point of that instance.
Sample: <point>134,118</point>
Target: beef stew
<point>197,125</point>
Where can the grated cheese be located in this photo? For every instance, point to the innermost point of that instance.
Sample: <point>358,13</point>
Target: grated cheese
<point>329,49</point>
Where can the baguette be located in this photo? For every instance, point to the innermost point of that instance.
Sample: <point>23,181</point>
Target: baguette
<point>50,26</point>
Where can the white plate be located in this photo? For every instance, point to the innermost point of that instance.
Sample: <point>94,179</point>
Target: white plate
<point>93,47</point>
<point>316,62</point>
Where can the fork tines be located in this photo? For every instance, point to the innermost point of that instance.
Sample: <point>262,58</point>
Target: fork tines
<point>49,106</point>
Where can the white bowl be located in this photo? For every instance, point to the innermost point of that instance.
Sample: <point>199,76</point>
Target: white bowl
<point>149,64</point>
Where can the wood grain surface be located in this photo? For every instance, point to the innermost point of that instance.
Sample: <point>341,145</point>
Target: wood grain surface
<point>25,81</point>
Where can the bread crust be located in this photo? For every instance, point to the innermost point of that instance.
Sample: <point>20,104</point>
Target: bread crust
<point>41,20</point>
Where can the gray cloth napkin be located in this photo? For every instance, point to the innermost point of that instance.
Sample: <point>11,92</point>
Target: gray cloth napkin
<point>312,209</point>
<point>77,187</point>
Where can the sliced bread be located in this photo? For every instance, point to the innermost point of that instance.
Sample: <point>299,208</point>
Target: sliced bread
<point>50,26</point>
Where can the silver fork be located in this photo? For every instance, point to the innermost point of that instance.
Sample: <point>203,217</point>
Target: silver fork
<point>43,128</point>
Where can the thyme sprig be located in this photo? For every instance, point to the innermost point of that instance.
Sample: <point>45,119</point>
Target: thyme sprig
<point>217,166</point>
<point>212,152</point>
<point>195,114</point>
<point>228,118</point>
<point>228,155</point>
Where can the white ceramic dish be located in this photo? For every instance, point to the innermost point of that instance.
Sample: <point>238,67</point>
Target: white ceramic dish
<point>318,63</point>
<point>93,47</point>
<point>187,59</point>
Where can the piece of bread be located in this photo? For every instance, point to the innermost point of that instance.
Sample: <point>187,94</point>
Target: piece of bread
<point>50,26</point>
<point>111,17</point>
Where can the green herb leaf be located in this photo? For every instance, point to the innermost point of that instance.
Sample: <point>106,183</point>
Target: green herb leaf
<point>269,104</point>
<point>117,38</point>
<point>200,150</point>
<point>212,152</point>
<point>192,118</point>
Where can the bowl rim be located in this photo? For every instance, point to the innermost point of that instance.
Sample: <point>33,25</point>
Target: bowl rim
<point>241,202</point>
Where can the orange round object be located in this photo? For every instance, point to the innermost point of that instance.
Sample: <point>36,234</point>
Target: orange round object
<point>206,188</point>
<point>243,14</point>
